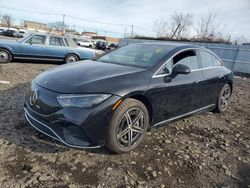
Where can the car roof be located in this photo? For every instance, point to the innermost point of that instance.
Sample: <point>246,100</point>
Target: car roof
<point>174,45</point>
<point>69,39</point>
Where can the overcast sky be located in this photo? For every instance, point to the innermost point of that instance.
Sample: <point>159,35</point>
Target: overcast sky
<point>234,14</point>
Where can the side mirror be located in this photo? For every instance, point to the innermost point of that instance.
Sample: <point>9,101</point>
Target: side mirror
<point>180,69</point>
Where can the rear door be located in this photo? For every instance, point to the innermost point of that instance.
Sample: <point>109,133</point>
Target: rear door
<point>56,48</point>
<point>212,70</point>
<point>173,97</point>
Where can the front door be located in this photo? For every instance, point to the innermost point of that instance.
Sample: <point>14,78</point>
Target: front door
<point>34,47</point>
<point>175,96</point>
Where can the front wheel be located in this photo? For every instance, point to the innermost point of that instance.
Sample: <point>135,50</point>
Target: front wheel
<point>223,99</point>
<point>71,58</point>
<point>128,126</point>
<point>5,56</point>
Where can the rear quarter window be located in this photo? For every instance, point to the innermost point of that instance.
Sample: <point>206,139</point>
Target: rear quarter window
<point>66,42</point>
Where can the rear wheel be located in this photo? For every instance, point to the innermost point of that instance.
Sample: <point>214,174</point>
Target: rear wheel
<point>5,56</point>
<point>223,99</point>
<point>128,126</point>
<point>71,58</point>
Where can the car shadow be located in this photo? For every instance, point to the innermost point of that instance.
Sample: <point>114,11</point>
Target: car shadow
<point>38,61</point>
<point>244,175</point>
<point>14,129</point>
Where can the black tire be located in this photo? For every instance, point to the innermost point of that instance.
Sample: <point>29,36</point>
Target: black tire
<point>5,56</point>
<point>90,46</point>
<point>223,99</point>
<point>71,58</point>
<point>116,132</point>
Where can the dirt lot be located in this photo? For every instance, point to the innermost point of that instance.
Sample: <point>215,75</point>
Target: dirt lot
<point>207,150</point>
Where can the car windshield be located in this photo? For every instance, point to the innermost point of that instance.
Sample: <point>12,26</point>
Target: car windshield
<point>141,55</point>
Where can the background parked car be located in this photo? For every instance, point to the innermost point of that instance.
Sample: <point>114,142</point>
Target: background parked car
<point>84,43</point>
<point>114,45</point>
<point>9,33</point>
<point>101,45</point>
<point>19,34</point>
<point>43,47</point>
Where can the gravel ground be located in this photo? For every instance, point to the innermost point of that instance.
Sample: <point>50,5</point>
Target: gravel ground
<point>206,150</point>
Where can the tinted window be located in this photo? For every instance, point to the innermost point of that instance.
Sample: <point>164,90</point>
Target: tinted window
<point>37,39</point>
<point>208,60</point>
<point>56,41</point>
<point>143,55</point>
<point>188,58</point>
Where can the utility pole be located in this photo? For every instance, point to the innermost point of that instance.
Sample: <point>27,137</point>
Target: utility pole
<point>132,30</point>
<point>175,31</point>
<point>63,29</point>
<point>105,33</point>
<point>125,30</point>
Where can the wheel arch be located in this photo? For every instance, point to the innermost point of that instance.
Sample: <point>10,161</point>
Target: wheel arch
<point>7,49</point>
<point>142,98</point>
<point>230,83</point>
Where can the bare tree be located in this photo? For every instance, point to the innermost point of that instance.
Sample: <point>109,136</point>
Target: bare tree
<point>59,26</point>
<point>160,27</point>
<point>180,24</point>
<point>208,27</point>
<point>7,19</point>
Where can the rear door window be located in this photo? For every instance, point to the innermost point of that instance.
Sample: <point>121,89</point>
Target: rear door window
<point>56,41</point>
<point>209,60</point>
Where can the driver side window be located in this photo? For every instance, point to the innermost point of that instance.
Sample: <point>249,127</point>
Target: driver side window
<point>37,39</point>
<point>188,58</point>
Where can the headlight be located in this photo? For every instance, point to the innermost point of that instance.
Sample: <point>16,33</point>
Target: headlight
<point>82,101</point>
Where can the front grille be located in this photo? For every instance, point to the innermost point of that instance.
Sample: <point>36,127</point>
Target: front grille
<point>41,100</point>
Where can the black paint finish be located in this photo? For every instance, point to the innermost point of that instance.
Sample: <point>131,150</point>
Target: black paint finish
<point>166,97</point>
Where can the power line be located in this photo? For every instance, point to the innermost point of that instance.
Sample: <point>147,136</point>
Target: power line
<point>47,13</point>
<point>87,20</point>
<point>77,18</point>
<point>78,26</point>
<point>31,11</point>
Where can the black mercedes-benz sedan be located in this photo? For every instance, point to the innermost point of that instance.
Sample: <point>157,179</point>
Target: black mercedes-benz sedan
<point>114,100</point>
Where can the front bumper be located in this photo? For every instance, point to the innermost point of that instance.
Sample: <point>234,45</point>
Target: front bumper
<point>64,135</point>
<point>79,128</point>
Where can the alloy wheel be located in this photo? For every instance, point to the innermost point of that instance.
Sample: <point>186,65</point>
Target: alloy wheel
<point>131,127</point>
<point>225,96</point>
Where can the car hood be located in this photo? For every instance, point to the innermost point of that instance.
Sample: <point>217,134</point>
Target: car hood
<point>6,41</point>
<point>89,77</point>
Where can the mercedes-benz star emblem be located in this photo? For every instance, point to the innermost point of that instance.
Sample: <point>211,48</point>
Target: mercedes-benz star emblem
<point>33,97</point>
